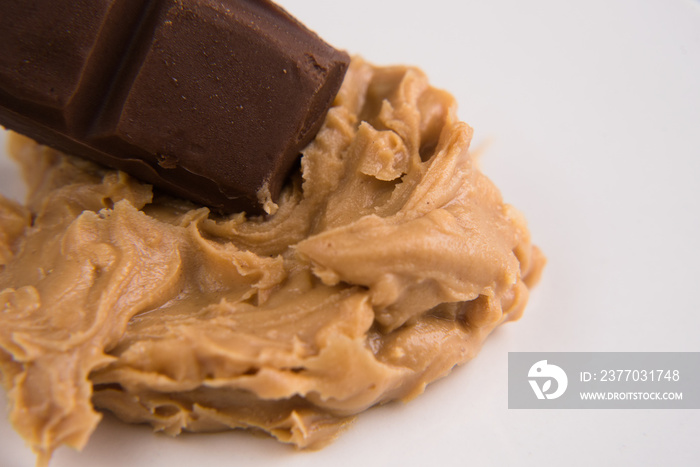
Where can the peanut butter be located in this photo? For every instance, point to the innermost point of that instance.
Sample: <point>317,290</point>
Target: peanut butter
<point>387,260</point>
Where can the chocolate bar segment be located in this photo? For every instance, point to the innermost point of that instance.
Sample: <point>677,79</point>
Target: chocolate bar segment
<point>211,100</point>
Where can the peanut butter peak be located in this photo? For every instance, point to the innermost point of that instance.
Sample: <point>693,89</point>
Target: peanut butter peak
<point>389,260</point>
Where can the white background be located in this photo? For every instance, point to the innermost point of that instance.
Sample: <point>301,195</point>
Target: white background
<point>588,115</point>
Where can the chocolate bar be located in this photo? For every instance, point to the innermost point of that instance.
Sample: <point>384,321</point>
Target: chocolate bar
<point>210,100</point>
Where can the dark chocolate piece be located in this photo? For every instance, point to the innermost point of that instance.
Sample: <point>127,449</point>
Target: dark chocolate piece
<point>207,99</point>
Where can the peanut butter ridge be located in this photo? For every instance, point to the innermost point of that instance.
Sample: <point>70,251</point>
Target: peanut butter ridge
<point>388,260</point>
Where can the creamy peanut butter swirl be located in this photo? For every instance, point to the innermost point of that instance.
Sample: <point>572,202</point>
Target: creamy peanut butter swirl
<point>388,260</point>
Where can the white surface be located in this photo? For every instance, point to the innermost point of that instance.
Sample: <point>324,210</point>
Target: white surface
<point>589,116</point>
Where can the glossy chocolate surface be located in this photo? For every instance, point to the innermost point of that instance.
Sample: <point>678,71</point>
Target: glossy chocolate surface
<point>210,100</point>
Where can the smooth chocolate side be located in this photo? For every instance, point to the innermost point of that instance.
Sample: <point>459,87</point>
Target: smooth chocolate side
<point>208,100</point>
